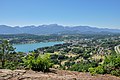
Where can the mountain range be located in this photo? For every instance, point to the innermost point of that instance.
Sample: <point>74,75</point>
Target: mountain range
<point>55,29</point>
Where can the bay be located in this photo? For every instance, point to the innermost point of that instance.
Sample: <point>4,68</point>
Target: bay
<point>32,46</point>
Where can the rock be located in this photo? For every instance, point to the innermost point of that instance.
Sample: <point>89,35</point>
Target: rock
<point>53,75</point>
<point>7,77</point>
<point>3,74</point>
<point>20,71</point>
<point>5,71</point>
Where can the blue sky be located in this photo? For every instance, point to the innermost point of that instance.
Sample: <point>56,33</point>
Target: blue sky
<point>96,13</point>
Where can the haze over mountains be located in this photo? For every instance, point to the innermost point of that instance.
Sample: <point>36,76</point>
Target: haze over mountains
<point>55,29</point>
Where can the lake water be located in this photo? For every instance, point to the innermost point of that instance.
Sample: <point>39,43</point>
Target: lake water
<point>30,47</point>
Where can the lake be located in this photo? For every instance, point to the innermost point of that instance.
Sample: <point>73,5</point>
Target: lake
<point>30,47</point>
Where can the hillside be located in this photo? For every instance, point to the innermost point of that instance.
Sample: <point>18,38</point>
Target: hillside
<point>55,29</point>
<point>53,75</point>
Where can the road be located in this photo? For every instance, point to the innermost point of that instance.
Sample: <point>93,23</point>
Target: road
<point>117,49</point>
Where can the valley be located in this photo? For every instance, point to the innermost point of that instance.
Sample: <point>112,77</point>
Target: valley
<point>72,52</point>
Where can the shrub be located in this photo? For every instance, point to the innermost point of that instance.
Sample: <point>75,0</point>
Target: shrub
<point>100,70</point>
<point>11,65</point>
<point>115,72</point>
<point>97,70</point>
<point>40,63</point>
<point>92,71</point>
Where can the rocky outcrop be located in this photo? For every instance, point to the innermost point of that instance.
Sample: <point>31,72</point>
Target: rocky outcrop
<point>6,74</point>
<point>52,75</point>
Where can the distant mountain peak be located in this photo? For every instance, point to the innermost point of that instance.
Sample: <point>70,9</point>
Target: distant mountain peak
<point>54,29</point>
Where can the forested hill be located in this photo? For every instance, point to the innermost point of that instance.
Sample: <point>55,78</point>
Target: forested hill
<point>55,29</point>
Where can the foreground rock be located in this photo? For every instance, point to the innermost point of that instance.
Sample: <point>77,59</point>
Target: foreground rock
<point>6,74</point>
<point>52,75</point>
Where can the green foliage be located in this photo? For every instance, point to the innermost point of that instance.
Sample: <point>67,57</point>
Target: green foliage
<point>54,56</point>
<point>77,50</point>
<point>12,60</point>
<point>115,72</point>
<point>28,60</point>
<point>11,65</point>
<point>65,50</point>
<point>82,67</point>
<point>111,65</point>
<point>50,50</point>
<point>97,70</point>
<point>55,61</point>
<point>69,63</point>
<point>86,55</point>
<point>5,50</point>
<point>39,63</point>
<point>92,71</point>
<point>62,57</point>
<point>100,70</point>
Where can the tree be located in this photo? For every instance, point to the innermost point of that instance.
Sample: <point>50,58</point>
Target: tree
<point>5,49</point>
<point>77,50</point>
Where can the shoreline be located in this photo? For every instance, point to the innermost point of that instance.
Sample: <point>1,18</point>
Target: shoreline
<point>37,42</point>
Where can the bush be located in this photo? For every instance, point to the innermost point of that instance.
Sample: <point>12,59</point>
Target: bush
<point>40,63</point>
<point>115,72</point>
<point>11,65</point>
<point>92,71</point>
<point>97,70</point>
<point>100,70</point>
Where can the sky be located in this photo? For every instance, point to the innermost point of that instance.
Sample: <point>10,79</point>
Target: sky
<point>96,13</point>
